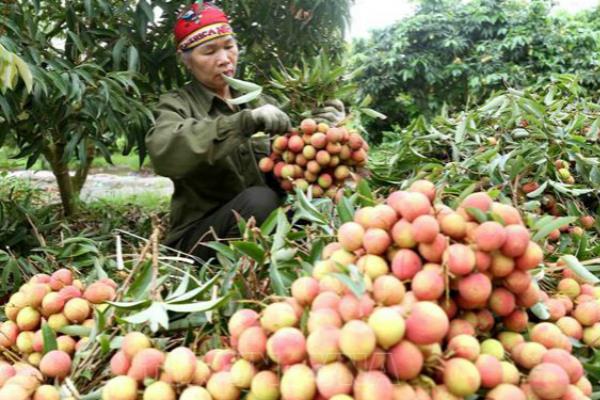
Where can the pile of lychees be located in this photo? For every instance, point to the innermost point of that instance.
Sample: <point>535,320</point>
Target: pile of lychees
<point>438,308</point>
<point>316,158</point>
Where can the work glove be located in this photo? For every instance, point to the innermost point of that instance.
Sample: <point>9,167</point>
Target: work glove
<point>332,112</point>
<point>271,119</point>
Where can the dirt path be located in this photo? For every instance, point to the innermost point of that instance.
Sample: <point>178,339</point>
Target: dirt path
<point>103,185</point>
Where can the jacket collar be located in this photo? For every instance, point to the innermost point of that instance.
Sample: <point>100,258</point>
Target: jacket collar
<point>205,96</point>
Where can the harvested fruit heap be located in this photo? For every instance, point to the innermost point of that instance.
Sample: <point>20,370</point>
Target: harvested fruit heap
<point>435,308</point>
<point>61,303</point>
<point>315,158</point>
<point>138,363</point>
<point>414,300</point>
<point>575,310</point>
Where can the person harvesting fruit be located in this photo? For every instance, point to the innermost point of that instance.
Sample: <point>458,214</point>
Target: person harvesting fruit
<point>205,144</point>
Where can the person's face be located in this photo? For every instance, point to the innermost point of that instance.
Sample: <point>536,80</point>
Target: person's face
<point>209,60</point>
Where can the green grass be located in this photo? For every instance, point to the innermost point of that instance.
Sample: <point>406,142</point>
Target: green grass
<point>149,201</point>
<point>128,163</point>
<point>132,213</point>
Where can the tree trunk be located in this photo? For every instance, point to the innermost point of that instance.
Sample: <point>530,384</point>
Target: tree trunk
<point>54,153</point>
<point>82,172</point>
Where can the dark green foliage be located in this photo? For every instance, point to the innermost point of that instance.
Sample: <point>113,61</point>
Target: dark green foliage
<point>83,97</point>
<point>34,239</point>
<point>274,34</point>
<point>304,87</point>
<point>457,54</point>
<point>20,211</point>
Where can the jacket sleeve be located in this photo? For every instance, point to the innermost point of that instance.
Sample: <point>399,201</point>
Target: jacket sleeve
<point>178,143</point>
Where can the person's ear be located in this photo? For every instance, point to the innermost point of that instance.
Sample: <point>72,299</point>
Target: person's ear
<point>184,57</point>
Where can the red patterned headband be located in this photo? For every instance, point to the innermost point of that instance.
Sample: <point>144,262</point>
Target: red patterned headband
<point>200,23</point>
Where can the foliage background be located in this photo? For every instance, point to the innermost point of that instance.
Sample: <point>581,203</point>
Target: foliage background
<point>456,54</point>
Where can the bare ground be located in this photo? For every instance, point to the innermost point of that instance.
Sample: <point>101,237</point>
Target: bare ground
<point>102,185</point>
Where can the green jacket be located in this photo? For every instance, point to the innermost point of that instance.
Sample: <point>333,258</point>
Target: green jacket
<point>206,149</point>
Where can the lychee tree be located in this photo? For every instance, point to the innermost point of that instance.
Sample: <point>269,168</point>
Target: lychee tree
<point>303,29</point>
<point>82,100</point>
<point>451,53</point>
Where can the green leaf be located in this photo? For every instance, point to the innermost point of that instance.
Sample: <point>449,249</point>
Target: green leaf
<point>345,210</point>
<point>562,188</point>
<point>246,98</point>
<point>252,90</point>
<point>76,41</point>
<point>283,228</point>
<point>545,220</point>
<point>476,213</point>
<point>143,4</point>
<point>357,287</point>
<point>58,82</point>
<point>199,306</point>
<point>129,305</point>
<point>284,254</point>
<point>49,338</point>
<point>541,311</point>
<point>252,250</point>
<point>240,85</point>
<point>89,8</point>
<point>76,330</point>
<point>117,52</point>
<point>497,218</point>
<point>469,190</point>
<point>315,252</point>
<point>461,129</point>
<point>372,113</point>
<point>539,191</point>
<point>183,285</point>
<point>195,292</point>
<point>493,103</point>
<point>133,59</point>
<point>104,341</point>
<point>141,283</point>
<point>277,282</point>
<point>94,395</point>
<point>242,225</point>
<point>156,316</point>
<point>8,73</point>
<point>193,320</point>
<point>579,269</point>
<point>576,343</point>
<point>269,224</point>
<point>310,212</point>
<point>25,73</point>
<point>555,224</point>
<point>366,197</point>
<point>222,249</point>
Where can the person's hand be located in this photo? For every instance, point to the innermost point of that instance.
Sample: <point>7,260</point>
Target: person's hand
<point>271,119</point>
<point>332,112</point>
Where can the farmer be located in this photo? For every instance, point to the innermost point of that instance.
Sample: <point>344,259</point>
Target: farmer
<point>205,144</point>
